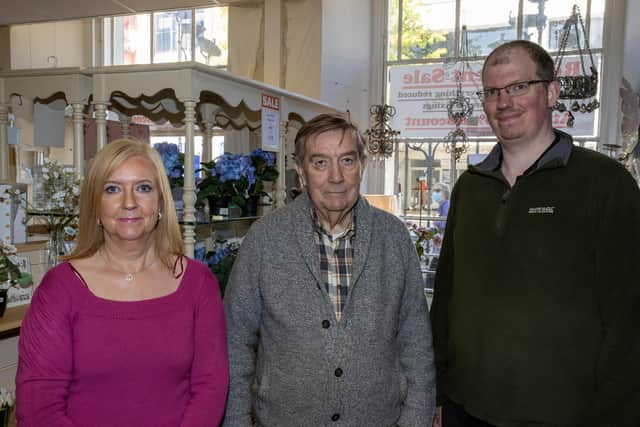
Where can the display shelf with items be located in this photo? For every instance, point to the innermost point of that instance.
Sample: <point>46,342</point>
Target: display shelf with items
<point>218,242</point>
<point>223,228</point>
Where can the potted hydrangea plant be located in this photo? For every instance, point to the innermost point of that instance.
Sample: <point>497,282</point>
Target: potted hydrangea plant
<point>227,181</point>
<point>173,161</point>
<point>236,179</point>
<point>220,260</point>
<point>264,163</point>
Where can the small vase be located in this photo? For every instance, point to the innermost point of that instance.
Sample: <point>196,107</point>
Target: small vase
<point>250,207</point>
<point>218,205</point>
<point>55,247</point>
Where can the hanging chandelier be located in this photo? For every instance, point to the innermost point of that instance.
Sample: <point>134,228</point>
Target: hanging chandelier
<point>381,138</point>
<point>459,109</point>
<point>580,87</point>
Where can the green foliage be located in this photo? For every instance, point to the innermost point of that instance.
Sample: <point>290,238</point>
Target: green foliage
<point>265,172</point>
<point>418,41</point>
<point>212,186</point>
<point>222,270</point>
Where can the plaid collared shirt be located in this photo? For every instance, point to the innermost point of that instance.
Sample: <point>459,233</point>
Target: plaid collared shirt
<point>336,262</point>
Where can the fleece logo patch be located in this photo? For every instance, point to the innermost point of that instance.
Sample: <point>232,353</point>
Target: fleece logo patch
<point>542,210</point>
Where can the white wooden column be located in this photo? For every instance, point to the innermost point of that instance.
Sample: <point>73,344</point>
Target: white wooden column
<point>189,193</point>
<point>125,123</point>
<point>207,142</point>
<point>100,112</point>
<point>4,142</point>
<point>281,185</point>
<point>78,138</point>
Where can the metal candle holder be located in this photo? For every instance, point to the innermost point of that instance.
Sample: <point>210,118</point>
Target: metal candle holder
<point>459,109</point>
<point>381,137</point>
<point>580,87</point>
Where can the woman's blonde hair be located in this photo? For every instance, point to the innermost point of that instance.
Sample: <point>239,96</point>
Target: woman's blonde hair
<point>168,242</point>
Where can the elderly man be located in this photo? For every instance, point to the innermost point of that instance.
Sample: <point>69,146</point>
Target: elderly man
<point>536,304</point>
<point>326,314</point>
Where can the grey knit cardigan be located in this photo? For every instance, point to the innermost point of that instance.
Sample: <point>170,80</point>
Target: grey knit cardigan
<point>373,368</point>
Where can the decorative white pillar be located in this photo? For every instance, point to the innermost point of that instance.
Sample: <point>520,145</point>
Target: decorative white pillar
<point>189,193</point>
<point>207,142</point>
<point>280,189</point>
<point>100,112</point>
<point>78,138</point>
<point>4,142</point>
<point>125,122</point>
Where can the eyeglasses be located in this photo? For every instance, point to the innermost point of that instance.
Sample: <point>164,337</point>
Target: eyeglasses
<point>514,89</point>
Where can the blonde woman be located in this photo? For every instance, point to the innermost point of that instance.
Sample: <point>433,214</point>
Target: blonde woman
<point>127,331</point>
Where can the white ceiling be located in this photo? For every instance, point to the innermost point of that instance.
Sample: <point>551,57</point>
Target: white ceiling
<point>27,11</point>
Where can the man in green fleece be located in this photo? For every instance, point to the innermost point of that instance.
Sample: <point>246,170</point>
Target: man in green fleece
<point>537,294</point>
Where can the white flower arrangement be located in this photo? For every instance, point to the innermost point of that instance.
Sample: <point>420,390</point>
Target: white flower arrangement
<point>7,398</point>
<point>58,200</point>
<point>61,188</point>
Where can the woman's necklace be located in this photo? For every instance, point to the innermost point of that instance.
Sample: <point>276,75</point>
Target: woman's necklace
<point>128,277</point>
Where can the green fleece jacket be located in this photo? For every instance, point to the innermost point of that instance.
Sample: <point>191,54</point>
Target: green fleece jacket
<point>537,297</point>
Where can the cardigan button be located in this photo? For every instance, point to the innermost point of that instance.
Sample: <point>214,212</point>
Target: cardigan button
<point>338,372</point>
<point>335,417</point>
<point>326,324</point>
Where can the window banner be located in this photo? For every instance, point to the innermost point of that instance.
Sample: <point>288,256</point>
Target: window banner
<point>421,93</point>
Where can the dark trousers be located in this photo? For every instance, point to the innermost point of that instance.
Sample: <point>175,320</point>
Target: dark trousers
<point>454,415</point>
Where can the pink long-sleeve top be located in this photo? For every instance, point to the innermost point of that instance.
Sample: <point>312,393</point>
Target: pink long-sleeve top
<point>89,361</point>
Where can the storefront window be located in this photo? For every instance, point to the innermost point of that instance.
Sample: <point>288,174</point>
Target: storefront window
<point>172,36</point>
<point>212,46</point>
<point>129,39</point>
<point>425,27</point>
<point>435,45</point>
<point>486,32</point>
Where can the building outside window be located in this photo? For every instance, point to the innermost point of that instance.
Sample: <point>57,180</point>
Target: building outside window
<point>431,44</point>
<point>167,36</point>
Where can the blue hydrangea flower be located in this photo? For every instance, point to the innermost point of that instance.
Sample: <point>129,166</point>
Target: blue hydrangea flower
<point>200,252</point>
<point>170,158</point>
<point>232,167</point>
<point>268,156</point>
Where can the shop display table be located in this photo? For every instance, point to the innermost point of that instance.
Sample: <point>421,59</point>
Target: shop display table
<point>11,321</point>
